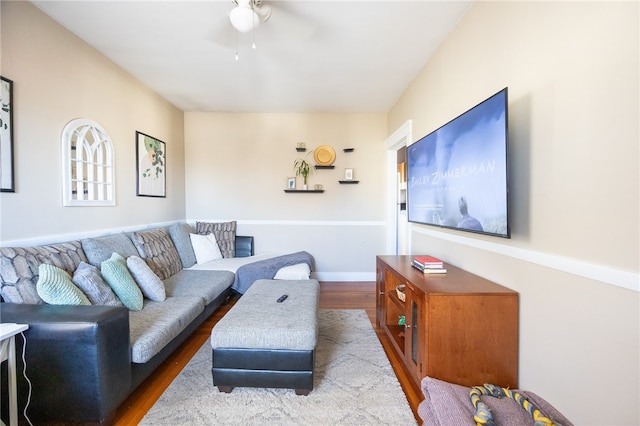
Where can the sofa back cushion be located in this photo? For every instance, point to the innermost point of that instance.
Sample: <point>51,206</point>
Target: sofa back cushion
<point>100,249</point>
<point>157,249</point>
<point>179,233</point>
<point>19,268</point>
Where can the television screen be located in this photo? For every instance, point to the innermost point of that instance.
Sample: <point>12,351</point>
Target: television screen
<point>457,174</point>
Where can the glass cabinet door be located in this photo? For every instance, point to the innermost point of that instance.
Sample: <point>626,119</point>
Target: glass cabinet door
<point>380,296</point>
<point>413,333</point>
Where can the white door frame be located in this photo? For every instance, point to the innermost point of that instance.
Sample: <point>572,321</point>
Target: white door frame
<point>398,139</point>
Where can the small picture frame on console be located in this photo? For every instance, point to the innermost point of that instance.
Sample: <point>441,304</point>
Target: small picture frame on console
<point>291,183</point>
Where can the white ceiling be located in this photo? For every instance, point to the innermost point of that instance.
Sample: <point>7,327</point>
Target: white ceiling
<point>345,56</point>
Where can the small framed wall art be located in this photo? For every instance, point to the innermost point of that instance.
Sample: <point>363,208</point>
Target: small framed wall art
<point>291,183</point>
<point>348,174</point>
<point>151,170</point>
<point>6,136</point>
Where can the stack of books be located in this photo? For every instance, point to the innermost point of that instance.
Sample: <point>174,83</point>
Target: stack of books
<point>429,265</point>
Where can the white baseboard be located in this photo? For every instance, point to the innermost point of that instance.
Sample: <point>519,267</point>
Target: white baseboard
<point>344,276</point>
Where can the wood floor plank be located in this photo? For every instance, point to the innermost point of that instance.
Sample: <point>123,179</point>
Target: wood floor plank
<point>333,295</point>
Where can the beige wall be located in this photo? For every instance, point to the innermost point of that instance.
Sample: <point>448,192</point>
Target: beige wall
<point>57,78</point>
<point>572,72</point>
<point>238,167</point>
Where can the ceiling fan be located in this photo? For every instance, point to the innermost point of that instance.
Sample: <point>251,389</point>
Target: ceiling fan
<point>248,14</point>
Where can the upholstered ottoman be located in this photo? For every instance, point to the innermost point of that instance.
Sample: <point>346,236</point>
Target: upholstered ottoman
<point>261,342</point>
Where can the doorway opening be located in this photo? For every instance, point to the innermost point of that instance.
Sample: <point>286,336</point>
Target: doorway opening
<point>398,235</point>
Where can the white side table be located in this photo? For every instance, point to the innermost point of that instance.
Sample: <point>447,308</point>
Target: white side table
<point>8,333</point>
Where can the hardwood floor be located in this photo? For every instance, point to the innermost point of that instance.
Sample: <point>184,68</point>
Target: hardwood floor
<point>333,295</point>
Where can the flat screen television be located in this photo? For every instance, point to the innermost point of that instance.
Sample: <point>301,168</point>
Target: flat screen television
<point>457,174</point>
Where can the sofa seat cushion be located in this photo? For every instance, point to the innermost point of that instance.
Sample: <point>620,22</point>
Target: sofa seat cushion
<point>19,268</point>
<point>204,284</point>
<point>158,323</point>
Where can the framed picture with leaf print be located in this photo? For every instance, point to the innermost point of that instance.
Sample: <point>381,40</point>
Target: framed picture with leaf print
<point>151,157</point>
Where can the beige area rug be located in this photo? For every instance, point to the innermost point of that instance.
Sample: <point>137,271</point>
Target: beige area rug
<point>354,385</point>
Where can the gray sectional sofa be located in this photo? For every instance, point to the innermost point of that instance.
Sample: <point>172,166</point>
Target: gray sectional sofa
<point>83,361</point>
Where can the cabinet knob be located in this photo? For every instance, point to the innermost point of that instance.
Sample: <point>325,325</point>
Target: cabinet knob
<point>381,293</point>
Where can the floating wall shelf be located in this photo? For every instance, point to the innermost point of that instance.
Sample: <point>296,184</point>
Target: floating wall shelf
<point>347,149</point>
<point>349,181</point>
<point>319,167</point>
<point>315,191</point>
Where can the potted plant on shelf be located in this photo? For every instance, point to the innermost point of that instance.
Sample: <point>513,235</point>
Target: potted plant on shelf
<point>302,168</point>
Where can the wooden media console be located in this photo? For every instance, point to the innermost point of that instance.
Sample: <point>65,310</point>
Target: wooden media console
<point>458,327</point>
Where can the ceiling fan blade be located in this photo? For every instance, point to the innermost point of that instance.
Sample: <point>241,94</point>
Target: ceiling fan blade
<point>264,12</point>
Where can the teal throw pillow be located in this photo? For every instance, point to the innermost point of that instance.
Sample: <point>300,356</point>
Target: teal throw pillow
<point>115,273</point>
<point>56,287</point>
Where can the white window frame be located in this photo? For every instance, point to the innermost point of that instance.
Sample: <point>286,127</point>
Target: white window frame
<point>94,161</point>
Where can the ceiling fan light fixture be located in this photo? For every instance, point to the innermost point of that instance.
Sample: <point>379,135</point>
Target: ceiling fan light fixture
<point>244,19</point>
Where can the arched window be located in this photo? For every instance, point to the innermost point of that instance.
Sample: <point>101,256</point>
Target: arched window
<point>87,164</point>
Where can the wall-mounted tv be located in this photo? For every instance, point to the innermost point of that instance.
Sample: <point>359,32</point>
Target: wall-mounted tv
<point>457,174</point>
